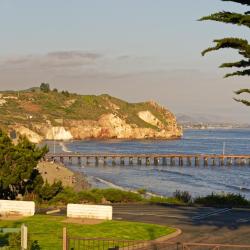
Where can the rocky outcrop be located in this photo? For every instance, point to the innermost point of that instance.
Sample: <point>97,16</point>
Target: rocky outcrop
<point>108,126</point>
<point>31,135</point>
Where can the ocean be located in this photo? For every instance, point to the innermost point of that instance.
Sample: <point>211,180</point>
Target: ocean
<point>165,180</point>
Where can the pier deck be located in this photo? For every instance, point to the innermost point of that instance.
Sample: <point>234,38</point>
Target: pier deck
<point>151,159</point>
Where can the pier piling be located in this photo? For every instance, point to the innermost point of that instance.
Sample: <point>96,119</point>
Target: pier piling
<point>113,161</point>
<point>172,161</point>
<point>79,160</point>
<point>122,162</point>
<point>96,160</point>
<point>164,161</point>
<point>205,161</point>
<point>197,161</point>
<point>131,161</point>
<point>148,161</point>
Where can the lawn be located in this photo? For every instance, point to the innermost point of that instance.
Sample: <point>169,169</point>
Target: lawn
<point>47,230</point>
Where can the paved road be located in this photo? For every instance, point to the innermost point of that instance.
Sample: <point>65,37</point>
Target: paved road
<point>207,225</point>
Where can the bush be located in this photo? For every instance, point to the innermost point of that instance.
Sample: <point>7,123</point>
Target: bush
<point>66,93</point>
<point>142,191</point>
<point>47,192</point>
<point>44,87</point>
<point>167,200</point>
<point>14,240</point>
<point>118,196</point>
<point>67,195</point>
<point>35,245</point>
<point>183,196</point>
<point>223,200</point>
<point>89,197</point>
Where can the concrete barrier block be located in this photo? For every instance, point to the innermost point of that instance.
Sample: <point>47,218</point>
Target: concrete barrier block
<point>89,211</point>
<point>24,208</point>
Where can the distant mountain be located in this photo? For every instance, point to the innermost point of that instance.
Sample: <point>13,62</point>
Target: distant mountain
<point>183,118</point>
<point>207,121</point>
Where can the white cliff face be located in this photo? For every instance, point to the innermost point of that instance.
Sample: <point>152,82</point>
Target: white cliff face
<point>148,117</point>
<point>115,126</point>
<point>31,135</point>
<point>2,101</point>
<point>112,126</point>
<point>58,133</point>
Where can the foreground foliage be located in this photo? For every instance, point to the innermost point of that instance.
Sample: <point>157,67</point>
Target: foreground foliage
<point>110,195</point>
<point>68,195</point>
<point>18,173</point>
<point>241,45</point>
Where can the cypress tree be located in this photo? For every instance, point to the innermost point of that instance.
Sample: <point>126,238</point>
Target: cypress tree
<point>241,45</point>
<point>18,173</point>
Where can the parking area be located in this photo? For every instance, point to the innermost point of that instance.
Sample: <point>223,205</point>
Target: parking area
<point>209,225</point>
<point>198,224</point>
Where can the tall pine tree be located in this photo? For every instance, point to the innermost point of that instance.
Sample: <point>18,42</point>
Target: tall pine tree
<point>241,45</point>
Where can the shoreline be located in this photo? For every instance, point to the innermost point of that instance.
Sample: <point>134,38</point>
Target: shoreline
<point>56,171</point>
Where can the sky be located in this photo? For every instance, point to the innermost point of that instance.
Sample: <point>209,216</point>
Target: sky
<point>136,50</point>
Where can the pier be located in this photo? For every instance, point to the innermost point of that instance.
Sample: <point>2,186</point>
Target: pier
<point>180,160</point>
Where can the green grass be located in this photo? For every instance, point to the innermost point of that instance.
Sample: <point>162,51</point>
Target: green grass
<point>48,229</point>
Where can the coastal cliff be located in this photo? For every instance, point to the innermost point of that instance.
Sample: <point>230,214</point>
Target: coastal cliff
<point>64,116</point>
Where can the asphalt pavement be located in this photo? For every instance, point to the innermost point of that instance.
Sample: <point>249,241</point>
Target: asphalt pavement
<point>198,224</point>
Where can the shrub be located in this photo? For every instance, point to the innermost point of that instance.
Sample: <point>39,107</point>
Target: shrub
<point>168,200</point>
<point>67,195</point>
<point>35,245</point>
<point>118,196</point>
<point>44,87</point>
<point>88,196</point>
<point>142,191</point>
<point>66,93</point>
<point>14,240</point>
<point>223,200</point>
<point>47,192</point>
<point>183,196</point>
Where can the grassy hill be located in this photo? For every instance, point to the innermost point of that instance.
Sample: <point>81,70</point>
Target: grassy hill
<point>21,106</point>
<point>36,106</point>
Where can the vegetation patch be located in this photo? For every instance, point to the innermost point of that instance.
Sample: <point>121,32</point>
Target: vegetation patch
<point>223,200</point>
<point>47,230</point>
<point>42,104</point>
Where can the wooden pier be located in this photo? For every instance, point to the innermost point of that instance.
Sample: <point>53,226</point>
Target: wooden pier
<point>181,160</point>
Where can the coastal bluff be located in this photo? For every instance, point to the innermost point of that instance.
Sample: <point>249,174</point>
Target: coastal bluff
<point>54,115</point>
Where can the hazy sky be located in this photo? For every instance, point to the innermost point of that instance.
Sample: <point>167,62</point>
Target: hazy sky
<point>133,49</point>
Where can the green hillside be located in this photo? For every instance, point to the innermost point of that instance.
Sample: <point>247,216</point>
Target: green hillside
<point>36,105</point>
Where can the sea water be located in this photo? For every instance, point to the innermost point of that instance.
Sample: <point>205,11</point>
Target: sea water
<point>164,180</point>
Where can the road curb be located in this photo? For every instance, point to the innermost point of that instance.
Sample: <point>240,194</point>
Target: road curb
<point>168,237</point>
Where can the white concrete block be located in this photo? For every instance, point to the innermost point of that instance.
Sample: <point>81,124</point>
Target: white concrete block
<point>25,208</point>
<point>89,211</point>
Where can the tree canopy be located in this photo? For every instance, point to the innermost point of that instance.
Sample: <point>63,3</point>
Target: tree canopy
<point>18,173</point>
<point>241,45</point>
<point>45,87</point>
